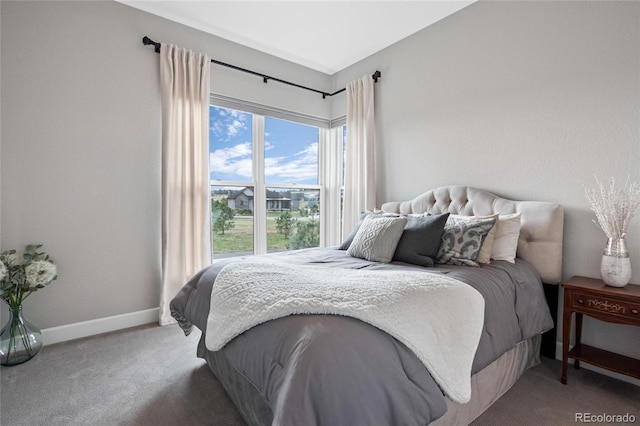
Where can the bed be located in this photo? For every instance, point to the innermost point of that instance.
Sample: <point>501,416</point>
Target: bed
<point>345,360</point>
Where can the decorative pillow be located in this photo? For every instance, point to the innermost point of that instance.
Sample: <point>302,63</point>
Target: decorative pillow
<point>462,240</point>
<point>505,243</point>
<point>377,238</point>
<point>485,251</point>
<point>420,239</point>
<point>347,241</point>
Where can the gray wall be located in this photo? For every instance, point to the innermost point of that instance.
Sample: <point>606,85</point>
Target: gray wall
<point>526,99</point>
<point>81,145</point>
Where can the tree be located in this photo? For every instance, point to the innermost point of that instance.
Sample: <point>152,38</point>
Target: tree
<point>221,216</point>
<point>314,210</point>
<point>310,211</point>
<point>307,235</point>
<point>284,224</point>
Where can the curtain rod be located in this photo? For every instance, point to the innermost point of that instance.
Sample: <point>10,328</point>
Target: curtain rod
<point>265,78</point>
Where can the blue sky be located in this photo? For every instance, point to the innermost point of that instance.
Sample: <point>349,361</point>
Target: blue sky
<point>291,149</point>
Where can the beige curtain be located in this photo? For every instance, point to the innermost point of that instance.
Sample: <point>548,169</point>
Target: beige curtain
<point>360,176</point>
<point>186,245</point>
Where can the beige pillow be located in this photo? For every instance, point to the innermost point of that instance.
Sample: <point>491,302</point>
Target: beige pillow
<point>505,242</point>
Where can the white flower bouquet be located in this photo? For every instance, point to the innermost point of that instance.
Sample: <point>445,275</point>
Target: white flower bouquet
<point>19,279</point>
<point>614,207</point>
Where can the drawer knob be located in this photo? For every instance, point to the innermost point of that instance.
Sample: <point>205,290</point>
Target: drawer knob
<point>634,311</point>
<point>580,301</point>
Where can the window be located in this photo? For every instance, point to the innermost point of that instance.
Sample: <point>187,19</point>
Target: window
<point>265,183</point>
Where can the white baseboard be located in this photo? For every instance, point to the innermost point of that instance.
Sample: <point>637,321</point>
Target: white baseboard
<point>590,367</point>
<point>78,330</point>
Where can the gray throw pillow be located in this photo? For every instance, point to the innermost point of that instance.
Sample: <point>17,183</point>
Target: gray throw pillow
<point>462,240</point>
<point>377,238</point>
<point>421,239</point>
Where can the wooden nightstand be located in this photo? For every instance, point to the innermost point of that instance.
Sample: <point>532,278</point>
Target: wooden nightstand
<point>594,298</point>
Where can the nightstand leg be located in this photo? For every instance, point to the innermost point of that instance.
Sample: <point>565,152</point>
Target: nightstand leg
<point>566,334</point>
<point>576,362</point>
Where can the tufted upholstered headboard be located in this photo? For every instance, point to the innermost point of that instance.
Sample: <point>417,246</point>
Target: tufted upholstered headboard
<point>541,230</point>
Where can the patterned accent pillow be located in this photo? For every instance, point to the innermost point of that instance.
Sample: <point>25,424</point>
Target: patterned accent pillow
<point>484,256</point>
<point>377,238</point>
<point>462,240</point>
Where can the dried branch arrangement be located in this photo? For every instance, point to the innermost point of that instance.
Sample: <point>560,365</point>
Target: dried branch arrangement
<point>613,207</point>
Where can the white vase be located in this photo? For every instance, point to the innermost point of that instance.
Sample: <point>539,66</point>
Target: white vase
<point>615,268</point>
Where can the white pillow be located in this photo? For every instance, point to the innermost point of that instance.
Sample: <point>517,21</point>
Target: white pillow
<point>505,242</point>
<point>377,238</point>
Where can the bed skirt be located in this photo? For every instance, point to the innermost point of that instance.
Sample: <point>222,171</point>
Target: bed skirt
<point>487,385</point>
<point>493,381</point>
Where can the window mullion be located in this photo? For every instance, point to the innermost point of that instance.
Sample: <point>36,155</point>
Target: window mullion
<point>260,193</point>
<point>330,177</point>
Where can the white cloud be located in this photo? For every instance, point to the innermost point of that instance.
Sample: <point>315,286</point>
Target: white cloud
<point>234,160</point>
<point>230,124</point>
<point>309,153</point>
<point>234,127</point>
<point>302,167</point>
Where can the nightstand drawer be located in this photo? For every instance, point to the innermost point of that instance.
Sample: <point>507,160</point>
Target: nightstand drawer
<point>597,304</point>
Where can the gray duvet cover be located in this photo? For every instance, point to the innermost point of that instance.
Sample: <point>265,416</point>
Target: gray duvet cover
<point>333,370</point>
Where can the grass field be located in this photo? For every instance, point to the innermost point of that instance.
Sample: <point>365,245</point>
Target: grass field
<point>240,238</point>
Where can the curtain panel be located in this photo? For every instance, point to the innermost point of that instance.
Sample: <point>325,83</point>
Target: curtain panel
<point>360,176</point>
<point>186,240</point>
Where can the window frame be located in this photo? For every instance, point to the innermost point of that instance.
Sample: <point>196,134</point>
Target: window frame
<point>258,113</point>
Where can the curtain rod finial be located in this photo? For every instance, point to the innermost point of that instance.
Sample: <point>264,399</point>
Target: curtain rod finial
<point>147,42</point>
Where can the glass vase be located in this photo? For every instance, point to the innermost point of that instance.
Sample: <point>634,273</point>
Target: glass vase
<point>615,268</point>
<point>19,340</point>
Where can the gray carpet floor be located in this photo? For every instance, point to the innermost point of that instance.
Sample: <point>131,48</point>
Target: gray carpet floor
<point>150,375</point>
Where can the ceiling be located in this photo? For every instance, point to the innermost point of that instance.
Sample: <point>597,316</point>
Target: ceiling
<point>326,36</point>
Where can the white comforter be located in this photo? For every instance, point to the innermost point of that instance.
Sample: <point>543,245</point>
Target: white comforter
<point>439,318</point>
